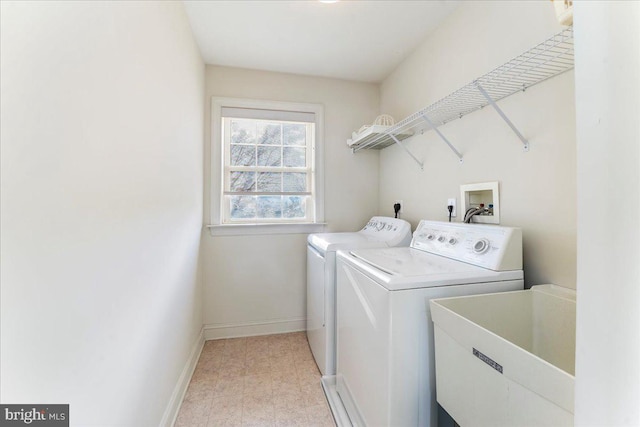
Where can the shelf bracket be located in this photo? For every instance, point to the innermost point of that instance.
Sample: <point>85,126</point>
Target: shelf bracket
<point>504,116</point>
<point>444,138</point>
<point>397,141</point>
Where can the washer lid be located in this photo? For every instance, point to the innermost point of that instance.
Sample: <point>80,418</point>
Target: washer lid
<point>407,268</point>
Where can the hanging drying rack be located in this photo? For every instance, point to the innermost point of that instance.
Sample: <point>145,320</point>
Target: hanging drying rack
<point>548,59</point>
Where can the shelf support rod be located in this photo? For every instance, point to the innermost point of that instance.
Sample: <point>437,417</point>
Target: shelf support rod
<point>444,138</point>
<point>504,116</point>
<point>397,141</point>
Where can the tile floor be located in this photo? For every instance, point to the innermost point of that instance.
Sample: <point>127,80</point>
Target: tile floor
<point>256,381</point>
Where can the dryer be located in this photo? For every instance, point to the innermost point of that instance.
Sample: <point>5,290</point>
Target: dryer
<point>385,373</point>
<point>321,279</point>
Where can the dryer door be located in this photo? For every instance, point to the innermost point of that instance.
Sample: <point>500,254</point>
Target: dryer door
<point>316,300</point>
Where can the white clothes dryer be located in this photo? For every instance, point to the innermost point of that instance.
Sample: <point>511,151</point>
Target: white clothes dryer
<point>385,372</point>
<point>321,279</point>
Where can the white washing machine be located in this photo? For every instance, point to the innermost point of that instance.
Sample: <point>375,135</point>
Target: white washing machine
<point>321,279</point>
<point>385,372</point>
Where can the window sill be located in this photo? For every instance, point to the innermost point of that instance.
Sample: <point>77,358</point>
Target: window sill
<point>254,229</point>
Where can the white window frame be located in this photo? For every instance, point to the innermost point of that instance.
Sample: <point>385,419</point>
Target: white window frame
<point>217,169</point>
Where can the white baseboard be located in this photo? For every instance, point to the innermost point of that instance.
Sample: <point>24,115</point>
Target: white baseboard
<point>248,329</point>
<point>171,413</point>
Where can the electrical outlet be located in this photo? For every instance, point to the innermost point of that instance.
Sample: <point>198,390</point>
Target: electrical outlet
<point>401,206</point>
<point>451,202</point>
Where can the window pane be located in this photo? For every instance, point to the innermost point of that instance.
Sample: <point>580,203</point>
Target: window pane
<point>293,207</point>
<point>243,155</point>
<point>269,181</point>
<point>242,181</point>
<point>270,133</point>
<point>269,156</point>
<point>294,134</point>
<point>268,165</point>
<point>294,157</point>
<point>269,207</point>
<point>294,182</point>
<point>243,131</point>
<point>243,207</point>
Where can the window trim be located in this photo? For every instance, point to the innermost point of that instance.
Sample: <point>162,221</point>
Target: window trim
<point>216,226</point>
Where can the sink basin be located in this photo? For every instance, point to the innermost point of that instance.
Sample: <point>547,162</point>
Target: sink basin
<point>507,359</point>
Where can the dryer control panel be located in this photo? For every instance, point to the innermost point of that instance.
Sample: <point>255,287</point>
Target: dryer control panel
<point>489,246</point>
<point>391,230</point>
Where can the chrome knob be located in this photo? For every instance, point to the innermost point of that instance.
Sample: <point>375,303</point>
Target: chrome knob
<point>481,246</point>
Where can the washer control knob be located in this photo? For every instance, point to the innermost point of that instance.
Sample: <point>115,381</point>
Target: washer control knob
<point>431,236</point>
<point>452,241</point>
<point>381,226</point>
<point>441,239</point>
<point>481,246</point>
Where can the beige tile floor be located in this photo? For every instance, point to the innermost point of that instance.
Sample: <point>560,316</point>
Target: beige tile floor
<point>256,381</point>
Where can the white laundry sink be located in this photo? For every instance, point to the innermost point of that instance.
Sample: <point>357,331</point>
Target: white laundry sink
<point>507,359</point>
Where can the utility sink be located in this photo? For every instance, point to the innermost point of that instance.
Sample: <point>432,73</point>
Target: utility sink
<point>507,359</point>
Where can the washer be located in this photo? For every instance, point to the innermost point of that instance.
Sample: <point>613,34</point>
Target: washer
<point>385,359</point>
<point>321,279</point>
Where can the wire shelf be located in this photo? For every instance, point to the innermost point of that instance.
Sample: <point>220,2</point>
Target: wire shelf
<point>550,58</point>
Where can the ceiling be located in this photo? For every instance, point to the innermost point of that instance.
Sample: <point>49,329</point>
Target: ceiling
<point>353,40</point>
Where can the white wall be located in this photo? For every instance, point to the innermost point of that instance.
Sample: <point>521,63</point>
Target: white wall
<point>257,284</point>
<point>102,107</point>
<point>608,135</point>
<point>537,189</point>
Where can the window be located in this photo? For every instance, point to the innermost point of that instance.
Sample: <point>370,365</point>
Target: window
<point>268,174</point>
<point>270,163</point>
